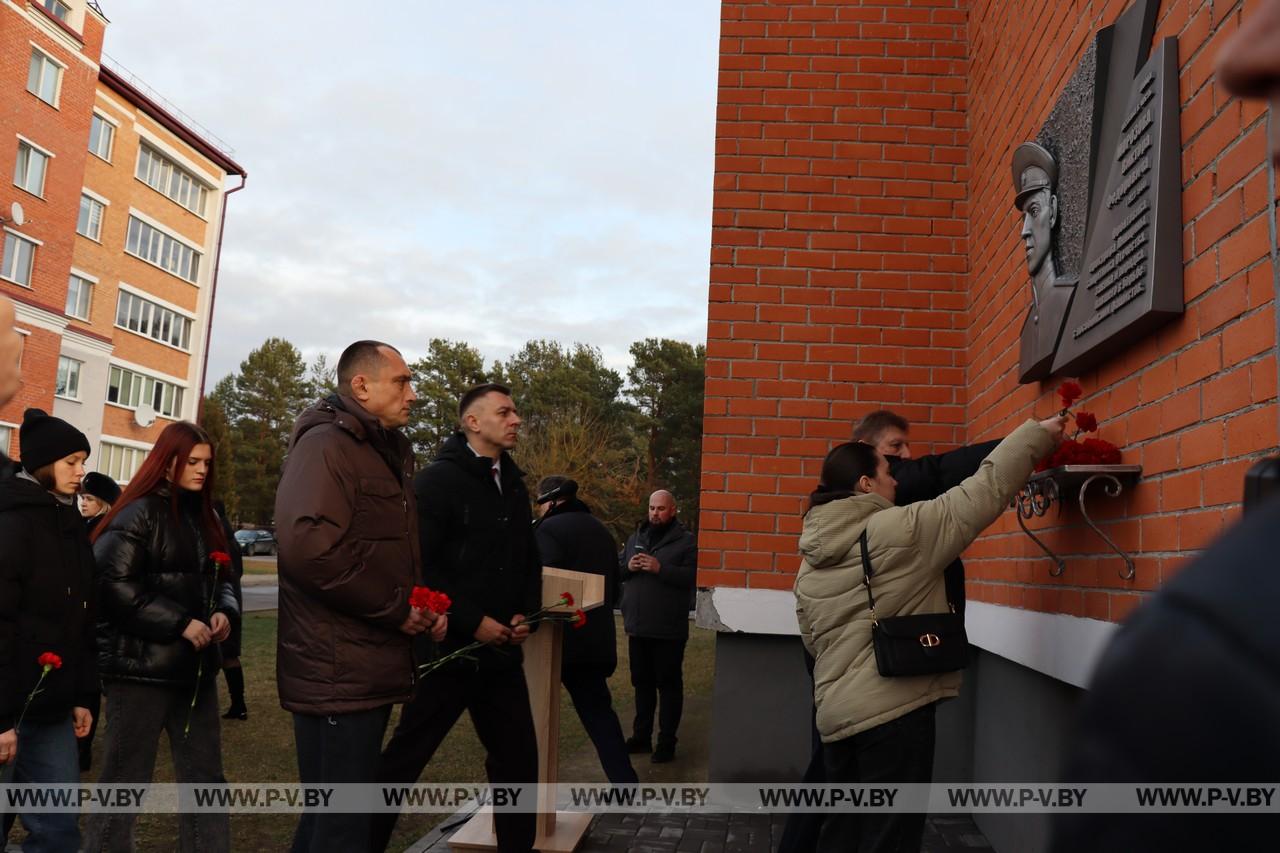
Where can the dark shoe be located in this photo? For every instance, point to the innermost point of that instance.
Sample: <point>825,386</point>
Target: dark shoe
<point>639,744</point>
<point>664,753</point>
<point>236,712</point>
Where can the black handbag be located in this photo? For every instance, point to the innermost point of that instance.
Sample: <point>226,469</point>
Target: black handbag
<point>921,644</point>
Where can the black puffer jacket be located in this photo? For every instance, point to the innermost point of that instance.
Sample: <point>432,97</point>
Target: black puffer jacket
<point>478,544</point>
<point>570,537</point>
<point>46,604</point>
<point>658,605</point>
<point>154,577</point>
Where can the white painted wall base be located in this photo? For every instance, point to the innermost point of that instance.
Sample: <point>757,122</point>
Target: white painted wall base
<point>1063,647</point>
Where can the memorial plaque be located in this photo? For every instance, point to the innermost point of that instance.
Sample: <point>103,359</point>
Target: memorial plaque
<point>1131,278</point>
<point>1099,191</point>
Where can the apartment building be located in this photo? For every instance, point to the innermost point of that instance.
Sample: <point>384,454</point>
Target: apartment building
<point>113,265</point>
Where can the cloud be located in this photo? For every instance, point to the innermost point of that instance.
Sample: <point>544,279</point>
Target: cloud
<point>489,172</point>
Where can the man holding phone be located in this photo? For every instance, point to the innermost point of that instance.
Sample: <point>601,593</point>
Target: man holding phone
<point>658,568</point>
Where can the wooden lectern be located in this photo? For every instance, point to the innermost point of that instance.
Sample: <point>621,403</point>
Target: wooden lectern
<point>558,832</point>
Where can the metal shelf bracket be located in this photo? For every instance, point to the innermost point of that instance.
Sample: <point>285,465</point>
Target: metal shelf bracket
<point>1046,488</point>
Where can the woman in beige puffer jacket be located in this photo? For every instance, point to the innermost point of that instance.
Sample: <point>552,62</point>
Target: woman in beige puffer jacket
<point>875,728</point>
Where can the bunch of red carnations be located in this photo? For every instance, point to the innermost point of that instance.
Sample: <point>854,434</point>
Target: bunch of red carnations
<point>1074,451</point>
<point>438,602</point>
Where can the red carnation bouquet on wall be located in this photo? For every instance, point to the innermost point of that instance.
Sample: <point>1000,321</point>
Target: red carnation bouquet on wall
<point>1074,451</point>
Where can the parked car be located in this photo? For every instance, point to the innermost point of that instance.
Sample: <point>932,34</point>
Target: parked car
<point>253,542</point>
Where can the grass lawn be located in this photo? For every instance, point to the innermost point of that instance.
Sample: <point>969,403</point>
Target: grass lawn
<point>261,748</point>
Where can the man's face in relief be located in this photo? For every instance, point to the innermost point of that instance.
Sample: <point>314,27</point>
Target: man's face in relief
<point>1039,214</point>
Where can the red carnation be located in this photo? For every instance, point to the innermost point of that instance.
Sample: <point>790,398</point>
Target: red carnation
<point>438,602</point>
<point>419,597</point>
<point>1086,422</point>
<point>222,558</point>
<point>1069,391</point>
<point>566,598</point>
<point>579,619</point>
<point>49,661</point>
<point>1100,451</point>
<point>425,598</point>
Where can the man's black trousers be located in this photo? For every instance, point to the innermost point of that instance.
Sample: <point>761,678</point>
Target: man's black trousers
<point>338,748</point>
<point>498,702</point>
<point>588,687</point>
<point>657,674</point>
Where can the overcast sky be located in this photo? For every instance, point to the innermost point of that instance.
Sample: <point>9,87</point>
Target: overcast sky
<point>486,171</point>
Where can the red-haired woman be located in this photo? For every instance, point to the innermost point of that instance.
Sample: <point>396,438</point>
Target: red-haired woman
<point>164,605</point>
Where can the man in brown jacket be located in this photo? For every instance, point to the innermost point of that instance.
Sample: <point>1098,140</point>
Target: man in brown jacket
<point>348,533</point>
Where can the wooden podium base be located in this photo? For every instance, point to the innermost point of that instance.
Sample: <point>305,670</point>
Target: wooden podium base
<point>477,833</point>
<point>558,832</point>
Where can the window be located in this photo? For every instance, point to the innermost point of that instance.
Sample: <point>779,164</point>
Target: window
<point>153,245</point>
<point>28,172</point>
<point>68,382</point>
<point>155,321</point>
<point>58,9</point>
<point>43,76</point>
<point>131,390</point>
<point>79,297</point>
<point>120,463</point>
<point>162,174</point>
<point>102,135</point>
<point>19,257</point>
<point>90,222</point>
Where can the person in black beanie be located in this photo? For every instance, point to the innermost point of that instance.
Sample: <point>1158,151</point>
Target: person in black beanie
<point>98,493</point>
<point>570,537</point>
<point>48,658</point>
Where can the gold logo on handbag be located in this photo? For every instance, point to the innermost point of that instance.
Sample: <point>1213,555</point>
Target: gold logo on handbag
<point>929,641</point>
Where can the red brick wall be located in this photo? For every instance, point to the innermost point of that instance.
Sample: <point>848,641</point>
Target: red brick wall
<point>865,255</point>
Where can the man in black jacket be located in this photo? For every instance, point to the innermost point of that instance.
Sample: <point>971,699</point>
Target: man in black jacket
<point>919,479</point>
<point>478,547</point>
<point>659,568</point>
<point>570,537</point>
<point>925,478</point>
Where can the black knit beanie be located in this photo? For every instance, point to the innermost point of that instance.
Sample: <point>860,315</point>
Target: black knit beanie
<point>45,439</point>
<point>101,487</point>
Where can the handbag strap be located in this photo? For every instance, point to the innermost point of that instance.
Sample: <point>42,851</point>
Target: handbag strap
<point>866,578</point>
<point>866,574</point>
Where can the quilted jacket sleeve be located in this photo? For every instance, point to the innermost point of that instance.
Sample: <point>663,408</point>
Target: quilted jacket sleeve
<point>122,555</point>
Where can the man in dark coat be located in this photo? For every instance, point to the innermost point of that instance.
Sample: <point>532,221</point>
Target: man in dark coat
<point>659,569</point>
<point>478,547</point>
<point>570,537</point>
<point>348,563</point>
<point>923,478</point>
<point>919,479</point>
